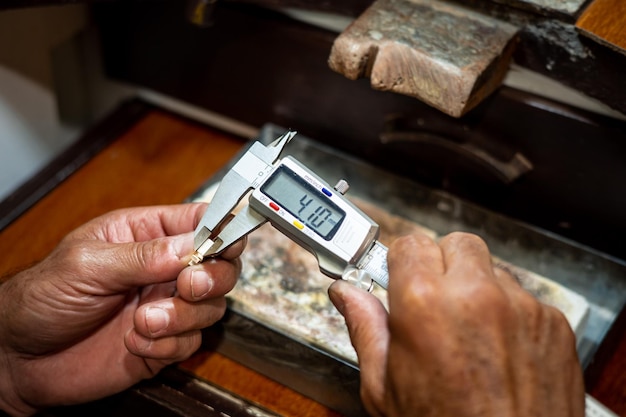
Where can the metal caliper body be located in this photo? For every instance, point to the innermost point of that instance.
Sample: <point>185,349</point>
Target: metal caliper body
<point>300,205</point>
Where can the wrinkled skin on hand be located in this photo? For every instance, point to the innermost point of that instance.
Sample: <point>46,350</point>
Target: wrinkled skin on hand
<point>114,303</point>
<point>461,339</point>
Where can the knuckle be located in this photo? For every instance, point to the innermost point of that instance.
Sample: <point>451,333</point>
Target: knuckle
<point>504,272</point>
<point>560,324</point>
<point>68,249</point>
<point>463,239</point>
<point>412,241</point>
<point>71,253</point>
<point>148,255</point>
<point>407,246</point>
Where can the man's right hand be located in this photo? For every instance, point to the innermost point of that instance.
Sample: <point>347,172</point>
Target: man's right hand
<point>461,339</point>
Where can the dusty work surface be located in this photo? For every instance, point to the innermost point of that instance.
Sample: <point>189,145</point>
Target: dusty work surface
<point>282,287</point>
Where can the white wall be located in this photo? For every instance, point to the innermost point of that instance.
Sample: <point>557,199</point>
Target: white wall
<point>30,132</point>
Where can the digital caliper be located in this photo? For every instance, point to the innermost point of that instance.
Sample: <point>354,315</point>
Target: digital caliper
<point>300,205</point>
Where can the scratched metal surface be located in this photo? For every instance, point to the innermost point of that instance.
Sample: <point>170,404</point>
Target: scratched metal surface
<point>567,7</point>
<point>282,288</point>
<point>458,36</point>
<point>448,56</point>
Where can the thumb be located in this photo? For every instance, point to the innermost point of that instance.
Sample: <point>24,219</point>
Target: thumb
<point>366,319</point>
<point>136,264</point>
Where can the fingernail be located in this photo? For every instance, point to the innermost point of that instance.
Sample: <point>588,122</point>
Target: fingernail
<point>157,319</point>
<point>201,283</point>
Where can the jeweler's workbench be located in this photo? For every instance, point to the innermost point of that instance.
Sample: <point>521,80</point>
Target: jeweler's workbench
<point>144,156</point>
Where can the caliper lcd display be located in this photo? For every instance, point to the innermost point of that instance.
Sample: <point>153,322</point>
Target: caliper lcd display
<point>304,202</point>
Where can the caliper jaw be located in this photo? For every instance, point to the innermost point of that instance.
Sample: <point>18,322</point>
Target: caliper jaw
<point>247,173</point>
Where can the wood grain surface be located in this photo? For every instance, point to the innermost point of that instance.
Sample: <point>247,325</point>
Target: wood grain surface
<point>253,386</point>
<point>161,160</point>
<point>605,22</point>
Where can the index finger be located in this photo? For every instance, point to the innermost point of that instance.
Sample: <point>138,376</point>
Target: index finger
<point>173,219</point>
<point>140,224</point>
<point>463,252</point>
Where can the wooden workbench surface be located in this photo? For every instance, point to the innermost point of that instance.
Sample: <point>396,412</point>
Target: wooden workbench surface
<point>603,21</point>
<point>163,159</point>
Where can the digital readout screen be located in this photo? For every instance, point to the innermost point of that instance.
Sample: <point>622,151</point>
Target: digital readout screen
<point>304,202</point>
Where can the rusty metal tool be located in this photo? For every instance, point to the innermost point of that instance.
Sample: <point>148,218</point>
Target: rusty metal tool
<point>444,54</point>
